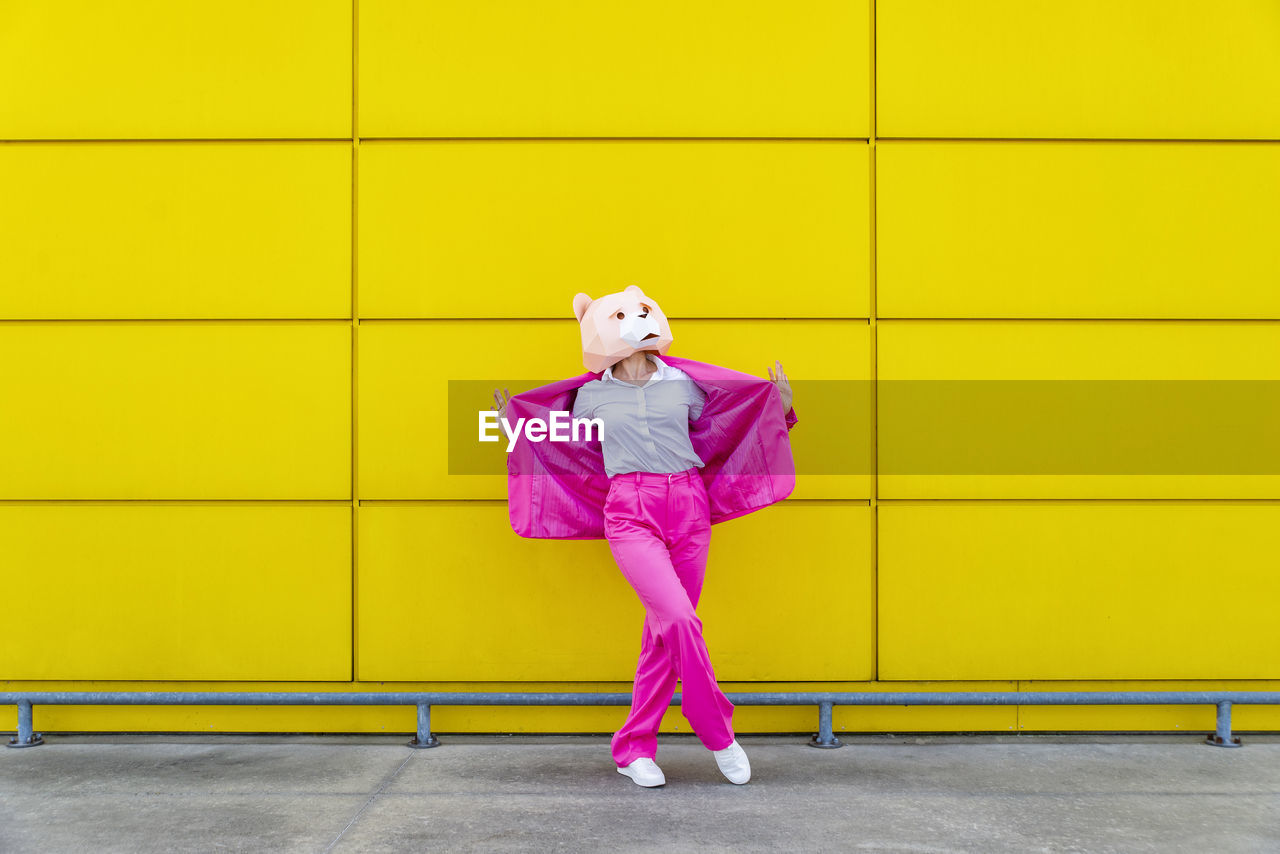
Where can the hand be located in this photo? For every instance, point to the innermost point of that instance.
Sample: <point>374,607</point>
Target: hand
<point>500,400</point>
<point>784,387</point>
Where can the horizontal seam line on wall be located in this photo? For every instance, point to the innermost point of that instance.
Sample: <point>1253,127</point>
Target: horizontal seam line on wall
<point>362,139</point>
<point>867,139</point>
<point>1139,139</point>
<point>345,139</point>
<point>864,320</point>
<point>346,502</point>
<point>374,319</point>
<point>1082,319</point>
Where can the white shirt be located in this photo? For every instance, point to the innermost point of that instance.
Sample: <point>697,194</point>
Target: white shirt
<point>646,427</point>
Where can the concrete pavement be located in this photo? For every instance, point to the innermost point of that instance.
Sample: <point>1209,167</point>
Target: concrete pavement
<point>164,793</point>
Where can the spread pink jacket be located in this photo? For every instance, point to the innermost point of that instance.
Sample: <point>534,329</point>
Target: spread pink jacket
<point>556,490</point>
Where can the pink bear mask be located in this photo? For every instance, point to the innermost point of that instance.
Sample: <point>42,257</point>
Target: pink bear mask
<point>616,325</point>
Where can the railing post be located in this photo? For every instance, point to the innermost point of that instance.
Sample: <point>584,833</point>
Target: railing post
<point>25,737</point>
<point>826,737</point>
<point>1223,737</point>
<point>424,738</point>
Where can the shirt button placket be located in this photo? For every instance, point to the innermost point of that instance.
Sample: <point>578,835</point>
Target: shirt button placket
<point>644,424</point>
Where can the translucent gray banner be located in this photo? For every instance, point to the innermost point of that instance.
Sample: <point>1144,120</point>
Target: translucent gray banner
<point>987,427</point>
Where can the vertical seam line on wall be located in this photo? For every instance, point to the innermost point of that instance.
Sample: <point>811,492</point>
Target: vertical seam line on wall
<point>355,329</point>
<point>875,426</point>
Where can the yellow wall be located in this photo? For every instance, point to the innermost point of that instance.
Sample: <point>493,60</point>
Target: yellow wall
<point>244,248</point>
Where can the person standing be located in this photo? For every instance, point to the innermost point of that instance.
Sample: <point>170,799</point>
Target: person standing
<point>657,520</point>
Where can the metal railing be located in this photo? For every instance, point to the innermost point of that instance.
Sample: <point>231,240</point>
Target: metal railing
<point>825,701</point>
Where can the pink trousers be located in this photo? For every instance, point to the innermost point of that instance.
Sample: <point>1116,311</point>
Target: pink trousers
<point>659,529</point>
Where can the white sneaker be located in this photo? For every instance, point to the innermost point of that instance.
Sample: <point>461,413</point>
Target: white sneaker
<point>733,763</point>
<point>645,772</point>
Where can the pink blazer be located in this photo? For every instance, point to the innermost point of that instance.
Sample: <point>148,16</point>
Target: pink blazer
<point>556,490</point>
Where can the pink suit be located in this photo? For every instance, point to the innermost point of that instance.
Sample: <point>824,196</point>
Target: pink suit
<point>659,529</point>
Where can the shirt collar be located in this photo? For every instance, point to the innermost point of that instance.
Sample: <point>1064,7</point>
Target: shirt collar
<point>656,376</point>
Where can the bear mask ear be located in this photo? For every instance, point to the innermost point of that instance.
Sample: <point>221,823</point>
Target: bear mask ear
<point>633,290</point>
<point>580,304</point>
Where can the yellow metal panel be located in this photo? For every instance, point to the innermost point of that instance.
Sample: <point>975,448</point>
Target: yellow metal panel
<point>1067,350</point>
<point>448,592</point>
<point>662,68</point>
<point>166,409</point>
<point>149,230</point>
<point>829,367</point>
<point>1062,229</point>
<point>403,390</point>
<point>1078,591</point>
<point>822,626</point>
<point>177,591</point>
<point>1115,718</point>
<point>507,608</point>
<point>406,369</point>
<point>1091,68</point>
<point>1061,349</point>
<point>150,69</point>
<point>707,228</point>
